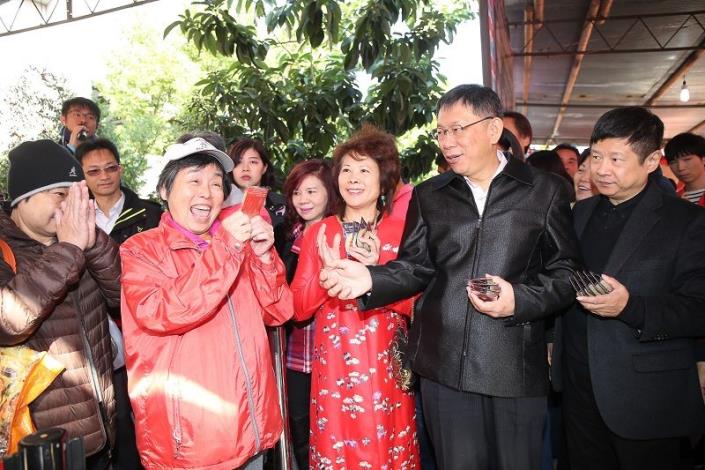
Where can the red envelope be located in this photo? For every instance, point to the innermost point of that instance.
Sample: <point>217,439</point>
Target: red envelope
<point>253,202</point>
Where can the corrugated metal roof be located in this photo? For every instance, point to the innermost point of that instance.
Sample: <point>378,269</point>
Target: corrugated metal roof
<point>637,48</point>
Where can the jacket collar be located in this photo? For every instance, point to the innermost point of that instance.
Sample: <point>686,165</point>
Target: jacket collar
<point>130,196</point>
<point>514,169</point>
<point>644,217</point>
<point>175,238</point>
<point>132,211</point>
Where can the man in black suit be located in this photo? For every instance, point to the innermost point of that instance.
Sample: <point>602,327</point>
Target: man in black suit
<point>630,386</point>
<point>484,376</point>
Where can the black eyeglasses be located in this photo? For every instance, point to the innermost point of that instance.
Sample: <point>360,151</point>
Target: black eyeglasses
<point>108,170</point>
<point>456,131</point>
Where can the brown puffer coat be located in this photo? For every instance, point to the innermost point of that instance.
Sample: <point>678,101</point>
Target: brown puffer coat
<point>65,291</point>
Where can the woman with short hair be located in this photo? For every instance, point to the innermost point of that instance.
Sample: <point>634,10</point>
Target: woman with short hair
<point>196,296</point>
<point>360,416</point>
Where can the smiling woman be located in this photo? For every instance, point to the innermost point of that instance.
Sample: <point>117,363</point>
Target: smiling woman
<point>194,188</point>
<point>197,293</point>
<point>355,399</point>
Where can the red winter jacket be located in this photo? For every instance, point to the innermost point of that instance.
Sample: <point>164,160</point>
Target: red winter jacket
<point>201,380</point>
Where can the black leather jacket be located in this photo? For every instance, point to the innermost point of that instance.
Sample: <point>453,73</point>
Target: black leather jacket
<point>525,236</point>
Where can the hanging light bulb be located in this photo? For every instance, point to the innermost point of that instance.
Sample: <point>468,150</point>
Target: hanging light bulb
<point>685,93</point>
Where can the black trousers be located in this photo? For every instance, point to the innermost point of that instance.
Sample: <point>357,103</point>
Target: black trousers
<point>125,454</point>
<point>480,432</point>
<point>591,444</point>
<point>299,394</point>
<point>100,460</point>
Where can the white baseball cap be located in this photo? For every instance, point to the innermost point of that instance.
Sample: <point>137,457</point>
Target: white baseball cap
<point>199,145</point>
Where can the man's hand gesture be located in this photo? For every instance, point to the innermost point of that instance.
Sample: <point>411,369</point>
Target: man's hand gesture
<point>74,139</point>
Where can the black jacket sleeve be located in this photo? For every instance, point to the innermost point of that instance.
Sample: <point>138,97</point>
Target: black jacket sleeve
<point>410,272</point>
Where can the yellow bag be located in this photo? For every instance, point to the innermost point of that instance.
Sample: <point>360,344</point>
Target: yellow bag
<point>24,375</point>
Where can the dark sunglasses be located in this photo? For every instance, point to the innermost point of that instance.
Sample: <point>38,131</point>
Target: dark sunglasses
<point>108,170</point>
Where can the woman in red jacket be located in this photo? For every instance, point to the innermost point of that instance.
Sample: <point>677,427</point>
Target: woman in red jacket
<point>360,417</point>
<point>196,295</point>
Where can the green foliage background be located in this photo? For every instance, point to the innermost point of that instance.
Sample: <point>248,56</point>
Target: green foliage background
<point>30,109</point>
<point>289,73</point>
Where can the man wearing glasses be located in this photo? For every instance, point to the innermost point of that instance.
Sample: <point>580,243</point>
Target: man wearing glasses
<point>119,211</point>
<point>478,347</point>
<point>80,118</point>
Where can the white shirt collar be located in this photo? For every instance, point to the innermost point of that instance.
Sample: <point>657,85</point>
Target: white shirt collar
<point>479,194</point>
<point>502,163</point>
<point>107,221</point>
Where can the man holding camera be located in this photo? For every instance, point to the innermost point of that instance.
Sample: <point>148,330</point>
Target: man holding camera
<point>80,118</point>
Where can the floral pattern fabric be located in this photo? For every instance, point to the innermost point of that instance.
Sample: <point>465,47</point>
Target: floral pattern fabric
<point>360,418</point>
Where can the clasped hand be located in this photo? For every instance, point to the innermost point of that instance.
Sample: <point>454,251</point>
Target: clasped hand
<point>256,230</point>
<point>75,217</point>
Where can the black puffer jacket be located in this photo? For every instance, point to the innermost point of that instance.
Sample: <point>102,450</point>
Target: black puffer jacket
<point>66,291</point>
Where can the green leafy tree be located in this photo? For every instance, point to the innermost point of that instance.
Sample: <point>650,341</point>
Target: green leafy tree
<point>148,85</point>
<point>30,110</point>
<point>295,85</point>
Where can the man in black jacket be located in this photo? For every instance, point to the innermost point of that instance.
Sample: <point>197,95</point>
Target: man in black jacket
<point>483,368</point>
<point>626,360</point>
<point>119,211</point>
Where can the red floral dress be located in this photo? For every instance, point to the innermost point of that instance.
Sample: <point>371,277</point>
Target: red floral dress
<point>360,418</point>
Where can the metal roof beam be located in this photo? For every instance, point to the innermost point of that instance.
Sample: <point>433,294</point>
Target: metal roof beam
<point>602,16</point>
<point>67,14</point>
<point>608,105</point>
<point>585,35</point>
<point>613,46</point>
<point>528,40</point>
<point>608,51</point>
<point>678,73</point>
<point>696,127</point>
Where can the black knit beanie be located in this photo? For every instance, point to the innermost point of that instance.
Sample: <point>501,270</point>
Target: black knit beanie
<point>40,165</point>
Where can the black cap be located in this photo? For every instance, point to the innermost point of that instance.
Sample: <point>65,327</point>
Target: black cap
<point>40,165</point>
